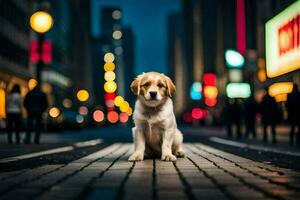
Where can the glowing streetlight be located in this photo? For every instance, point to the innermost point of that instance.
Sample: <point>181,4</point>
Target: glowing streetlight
<point>41,21</point>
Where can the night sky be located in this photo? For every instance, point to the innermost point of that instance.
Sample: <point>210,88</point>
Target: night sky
<point>148,20</point>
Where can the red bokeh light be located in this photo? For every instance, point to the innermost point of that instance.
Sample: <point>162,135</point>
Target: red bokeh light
<point>187,117</point>
<point>123,117</point>
<point>112,116</point>
<point>98,116</point>
<point>209,79</point>
<point>197,113</point>
<point>210,102</point>
<point>109,96</point>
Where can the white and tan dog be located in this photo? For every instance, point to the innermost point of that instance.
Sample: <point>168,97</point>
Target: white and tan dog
<point>155,132</point>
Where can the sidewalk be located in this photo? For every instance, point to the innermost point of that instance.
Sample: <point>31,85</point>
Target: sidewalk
<point>206,173</point>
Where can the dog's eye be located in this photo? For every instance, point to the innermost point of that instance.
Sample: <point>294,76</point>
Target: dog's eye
<point>146,84</point>
<point>160,85</point>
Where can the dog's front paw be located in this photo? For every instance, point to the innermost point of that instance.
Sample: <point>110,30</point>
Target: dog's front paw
<point>168,157</point>
<point>180,154</point>
<point>136,156</point>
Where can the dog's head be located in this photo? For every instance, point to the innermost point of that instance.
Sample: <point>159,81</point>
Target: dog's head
<point>153,88</point>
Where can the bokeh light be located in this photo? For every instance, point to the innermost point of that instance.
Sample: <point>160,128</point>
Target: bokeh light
<point>116,14</point>
<point>83,110</point>
<point>79,119</point>
<point>112,116</point>
<point>41,21</point>
<point>197,113</point>
<point>210,92</point>
<point>234,59</point>
<point>117,35</point>
<point>123,117</point>
<point>110,86</point>
<point>210,102</point>
<point>209,79</point>
<point>54,112</point>
<point>129,111</point>
<point>32,83</point>
<point>118,101</point>
<point>124,106</point>
<point>109,76</point>
<point>109,57</point>
<point>67,103</point>
<point>109,103</point>
<point>109,66</point>
<point>280,88</point>
<point>98,116</point>
<point>110,96</point>
<point>83,95</point>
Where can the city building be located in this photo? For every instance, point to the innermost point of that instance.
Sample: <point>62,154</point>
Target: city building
<point>14,51</point>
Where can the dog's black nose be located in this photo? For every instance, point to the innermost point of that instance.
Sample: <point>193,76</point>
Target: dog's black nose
<point>153,94</point>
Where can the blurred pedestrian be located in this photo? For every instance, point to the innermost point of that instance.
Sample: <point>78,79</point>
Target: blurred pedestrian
<point>251,108</point>
<point>270,116</point>
<point>293,109</point>
<point>35,103</point>
<point>14,113</point>
<point>232,114</point>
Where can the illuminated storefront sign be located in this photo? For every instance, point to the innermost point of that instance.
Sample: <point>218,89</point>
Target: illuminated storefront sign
<point>280,88</point>
<point>283,41</point>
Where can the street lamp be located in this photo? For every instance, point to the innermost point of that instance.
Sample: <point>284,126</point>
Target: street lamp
<point>40,22</point>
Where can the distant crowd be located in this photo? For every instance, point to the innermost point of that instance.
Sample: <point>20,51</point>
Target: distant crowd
<point>35,103</point>
<point>236,111</point>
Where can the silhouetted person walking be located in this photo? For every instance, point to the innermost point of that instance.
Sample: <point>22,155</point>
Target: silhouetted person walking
<point>35,103</point>
<point>14,113</point>
<point>270,116</point>
<point>251,108</point>
<point>293,109</point>
<point>232,113</point>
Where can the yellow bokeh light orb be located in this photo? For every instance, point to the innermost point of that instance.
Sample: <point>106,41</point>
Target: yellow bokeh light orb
<point>109,57</point>
<point>41,21</point>
<point>118,101</point>
<point>124,106</point>
<point>54,112</point>
<point>109,66</point>
<point>110,86</point>
<point>83,95</point>
<point>32,83</point>
<point>109,76</point>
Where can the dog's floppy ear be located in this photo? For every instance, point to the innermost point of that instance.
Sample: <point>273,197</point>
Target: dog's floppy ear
<point>170,86</point>
<point>135,85</point>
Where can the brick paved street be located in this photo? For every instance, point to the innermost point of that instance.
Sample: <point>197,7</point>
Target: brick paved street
<point>206,173</point>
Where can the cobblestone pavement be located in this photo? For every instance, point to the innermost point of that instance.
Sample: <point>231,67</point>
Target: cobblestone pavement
<point>205,173</point>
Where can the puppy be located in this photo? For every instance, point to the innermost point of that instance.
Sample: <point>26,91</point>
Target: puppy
<point>155,132</point>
